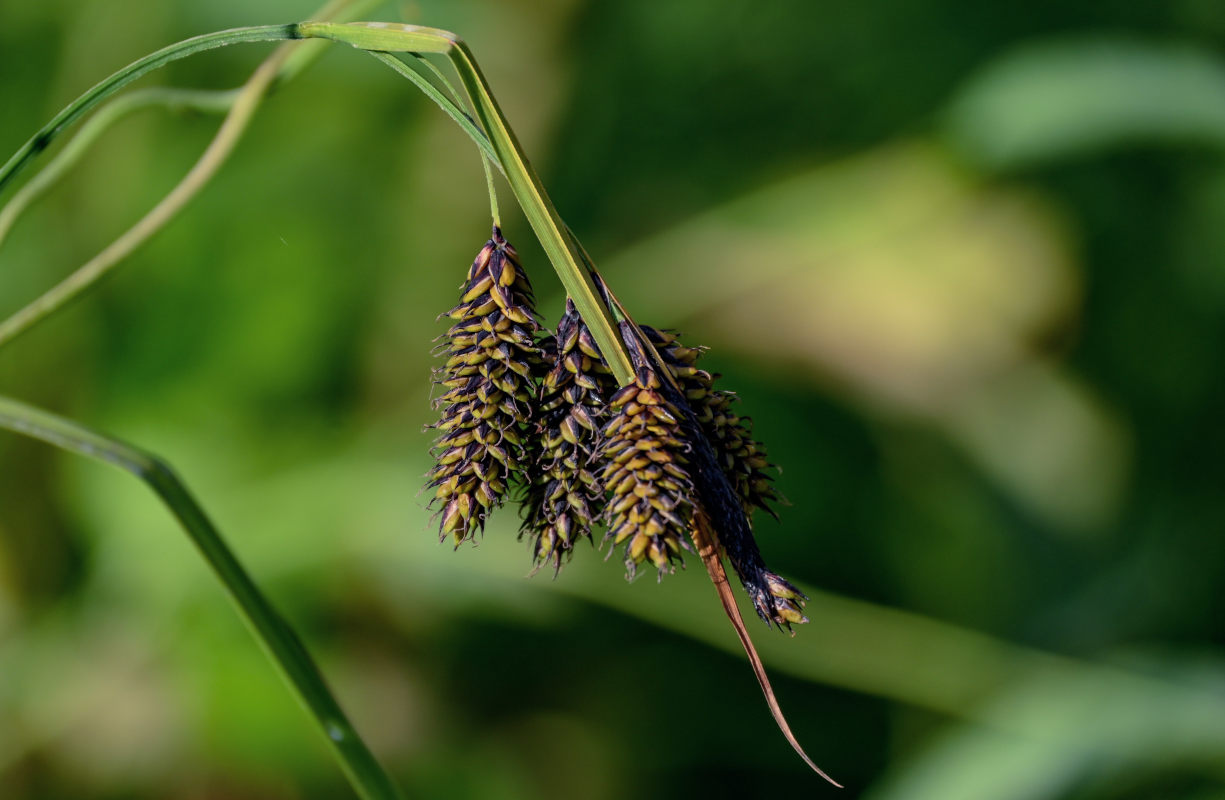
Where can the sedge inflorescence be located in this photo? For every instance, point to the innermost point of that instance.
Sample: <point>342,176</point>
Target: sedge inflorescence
<point>564,493</point>
<point>489,391</point>
<point>537,410</point>
<point>650,494</point>
<point>740,456</point>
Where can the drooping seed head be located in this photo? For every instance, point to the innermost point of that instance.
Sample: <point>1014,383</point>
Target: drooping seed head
<point>488,392</point>
<point>722,456</point>
<point>650,494</point>
<point>742,458</point>
<point>565,496</point>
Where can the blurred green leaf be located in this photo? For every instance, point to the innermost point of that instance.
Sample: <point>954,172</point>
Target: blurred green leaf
<point>1094,728</point>
<point>1066,98</point>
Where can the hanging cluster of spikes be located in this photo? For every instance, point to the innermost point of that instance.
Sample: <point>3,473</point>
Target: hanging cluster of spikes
<point>522,406</point>
<point>660,461</point>
<point>740,456</point>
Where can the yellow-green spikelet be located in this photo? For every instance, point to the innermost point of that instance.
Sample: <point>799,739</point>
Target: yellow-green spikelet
<point>650,495</point>
<point>489,392</point>
<point>565,496</point>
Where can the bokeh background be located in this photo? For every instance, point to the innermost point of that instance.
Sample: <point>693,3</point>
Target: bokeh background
<point>964,262</point>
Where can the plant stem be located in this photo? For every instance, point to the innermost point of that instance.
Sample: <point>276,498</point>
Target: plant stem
<point>542,215</point>
<point>211,102</point>
<point>493,193</point>
<point>276,636</point>
<point>524,182</point>
<point>487,162</point>
<point>40,140</point>
<point>284,64</point>
<point>507,152</point>
<point>213,157</point>
<point>450,105</point>
<point>465,122</point>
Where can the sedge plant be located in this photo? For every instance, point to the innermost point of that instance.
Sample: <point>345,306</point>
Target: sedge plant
<point>598,424</point>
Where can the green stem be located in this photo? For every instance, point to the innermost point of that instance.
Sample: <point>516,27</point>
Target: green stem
<point>276,636</point>
<point>524,182</point>
<point>211,102</point>
<point>201,172</point>
<point>487,162</point>
<point>450,105</point>
<point>209,41</point>
<point>542,215</point>
<point>283,65</point>
<point>445,103</point>
<point>493,193</point>
<point>506,152</point>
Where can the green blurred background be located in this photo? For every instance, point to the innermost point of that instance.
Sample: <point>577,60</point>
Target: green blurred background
<point>964,262</point>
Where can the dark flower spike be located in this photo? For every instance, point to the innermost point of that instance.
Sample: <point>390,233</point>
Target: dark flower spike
<point>742,458</point>
<point>775,600</point>
<point>650,503</point>
<point>488,395</point>
<point>565,496</point>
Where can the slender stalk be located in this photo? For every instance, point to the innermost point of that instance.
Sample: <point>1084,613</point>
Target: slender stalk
<point>285,63</point>
<point>210,102</point>
<point>450,105</point>
<point>213,157</point>
<point>274,634</point>
<point>209,41</point>
<point>524,183</point>
<point>487,162</point>
<point>493,193</point>
<point>461,118</point>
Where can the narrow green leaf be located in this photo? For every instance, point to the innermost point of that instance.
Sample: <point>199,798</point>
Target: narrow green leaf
<point>109,86</point>
<point>211,102</point>
<point>451,109</point>
<point>274,634</point>
<point>391,37</point>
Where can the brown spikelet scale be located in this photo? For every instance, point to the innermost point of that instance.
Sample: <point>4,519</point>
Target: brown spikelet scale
<point>741,457</point>
<point>650,494</point>
<point>565,496</point>
<point>488,392</point>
